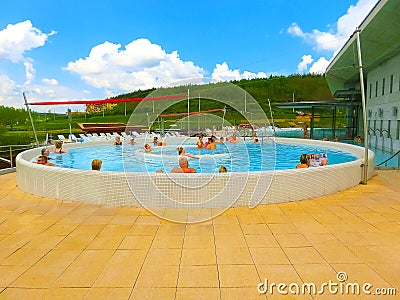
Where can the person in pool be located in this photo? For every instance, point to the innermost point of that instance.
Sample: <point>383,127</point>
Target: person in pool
<point>42,160</point>
<point>211,144</point>
<point>117,141</point>
<point>182,152</point>
<point>147,148</point>
<point>96,164</point>
<point>183,166</point>
<point>304,161</point>
<point>200,143</point>
<point>58,148</point>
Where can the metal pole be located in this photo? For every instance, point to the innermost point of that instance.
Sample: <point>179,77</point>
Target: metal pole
<point>188,124</point>
<point>272,117</point>
<point>198,119</point>
<point>245,102</point>
<point>11,162</point>
<point>365,165</point>
<point>30,117</point>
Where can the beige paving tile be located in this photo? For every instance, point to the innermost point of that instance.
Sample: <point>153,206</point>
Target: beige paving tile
<point>197,293</point>
<point>167,241</point>
<point>264,256</point>
<point>338,254</point>
<point>238,276</point>
<point>38,277</point>
<point>255,228</point>
<point>316,273</point>
<point>18,293</point>
<point>164,257</point>
<point>149,293</point>
<point>71,242</point>
<point>283,228</point>
<point>195,257</point>
<point>15,241</point>
<point>44,241</point>
<point>323,239</point>
<point>360,273</point>
<point>136,242</point>
<point>143,229</point>
<point>114,229</point>
<point>171,229</point>
<point>304,255</point>
<point>58,258</point>
<point>24,257</point>
<point>230,240</point>
<point>88,265</point>
<point>198,276</point>
<point>106,242</point>
<point>9,273</point>
<point>108,293</point>
<point>88,230</point>
<point>234,256</point>
<point>198,242</point>
<point>199,229</point>
<point>147,220</point>
<point>155,276</point>
<point>122,269</point>
<point>292,240</point>
<point>261,241</point>
<point>241,293</point>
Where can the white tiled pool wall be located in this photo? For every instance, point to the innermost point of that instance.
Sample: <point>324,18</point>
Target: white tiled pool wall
<point>214,190</point>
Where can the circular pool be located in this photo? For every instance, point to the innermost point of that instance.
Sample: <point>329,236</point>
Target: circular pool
<point>210,192</point>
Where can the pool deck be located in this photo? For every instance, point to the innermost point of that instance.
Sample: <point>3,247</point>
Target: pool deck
<point>52,249</point>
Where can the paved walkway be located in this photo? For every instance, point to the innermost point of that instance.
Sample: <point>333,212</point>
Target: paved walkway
<point>51,249</point>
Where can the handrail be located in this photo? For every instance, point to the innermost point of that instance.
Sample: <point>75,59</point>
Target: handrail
<point>8,151</point>
<point>388,159</point>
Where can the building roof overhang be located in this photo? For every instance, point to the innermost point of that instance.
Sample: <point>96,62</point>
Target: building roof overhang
<point>379,39</point>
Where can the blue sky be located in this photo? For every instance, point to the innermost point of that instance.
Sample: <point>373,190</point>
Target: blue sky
<point>60,50</point>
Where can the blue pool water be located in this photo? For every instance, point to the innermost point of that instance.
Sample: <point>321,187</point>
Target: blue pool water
<point>241,157</point>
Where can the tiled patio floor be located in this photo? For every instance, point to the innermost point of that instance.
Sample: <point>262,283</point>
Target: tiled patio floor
<point>51,249</point>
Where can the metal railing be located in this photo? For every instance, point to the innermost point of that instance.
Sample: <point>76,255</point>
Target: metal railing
<point>397,154</point>
<point>9,152</point>
<point>381,134</point>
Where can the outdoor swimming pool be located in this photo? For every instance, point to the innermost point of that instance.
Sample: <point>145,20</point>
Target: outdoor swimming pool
<point>239,157</point>
<point>207,190</point>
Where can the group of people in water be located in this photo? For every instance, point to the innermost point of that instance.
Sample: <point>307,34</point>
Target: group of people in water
<point>306,160</point>
<point>312,160</point>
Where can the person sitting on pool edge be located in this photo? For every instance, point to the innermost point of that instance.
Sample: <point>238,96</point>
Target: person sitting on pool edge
<point>304,162</point>
<point>183,166</point>
<point>96,164</point>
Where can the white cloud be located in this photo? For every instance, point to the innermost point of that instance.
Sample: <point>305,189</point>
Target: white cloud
<point>7,89</point>
<point>141,65</point>
<point>319,66</point>
<point>345,26</point>
<point>18,38</point>
<point>335,38</point>
<point>223,73</point>
<point>303,65</point>
<point>51,81</point>
<point>29,71</point>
